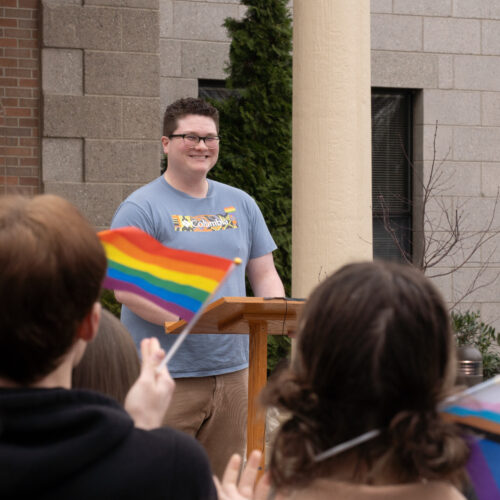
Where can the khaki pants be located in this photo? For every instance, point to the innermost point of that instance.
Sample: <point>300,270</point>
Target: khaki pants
<point>214,410</point>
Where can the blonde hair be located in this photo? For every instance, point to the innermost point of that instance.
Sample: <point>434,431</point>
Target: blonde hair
<point>110,364</point>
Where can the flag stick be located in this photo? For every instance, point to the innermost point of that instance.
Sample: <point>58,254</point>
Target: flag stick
<point>335,450</point>
<point>347,445</point>
<point>194,319</point>
<point>468,392</point>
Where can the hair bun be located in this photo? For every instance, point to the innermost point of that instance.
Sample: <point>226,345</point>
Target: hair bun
<point>289,393</point>
<point>426,446</point>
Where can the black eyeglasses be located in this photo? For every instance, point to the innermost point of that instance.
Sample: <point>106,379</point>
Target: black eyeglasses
<point>192,140</point>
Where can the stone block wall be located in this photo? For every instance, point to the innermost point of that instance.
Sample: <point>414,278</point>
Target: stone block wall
<point>109,68</point>
<point>193,44</point>
<point>450,51</point>
<point>101,101</point>
<point>19,97</point>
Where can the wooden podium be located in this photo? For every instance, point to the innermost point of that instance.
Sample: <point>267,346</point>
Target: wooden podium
<point>258,317</point>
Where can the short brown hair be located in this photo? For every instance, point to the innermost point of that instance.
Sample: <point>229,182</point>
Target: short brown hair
<point>374,351</point>
<point>52,265</point>
<point>184,107</point>
<point>111,363</point>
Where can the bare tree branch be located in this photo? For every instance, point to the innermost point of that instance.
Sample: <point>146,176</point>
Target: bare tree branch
<point>442,231</point>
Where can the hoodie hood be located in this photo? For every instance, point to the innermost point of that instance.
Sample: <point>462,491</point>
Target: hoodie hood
<point>48,435</point>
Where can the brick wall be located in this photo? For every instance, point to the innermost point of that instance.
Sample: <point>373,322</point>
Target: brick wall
<point>20,97</point>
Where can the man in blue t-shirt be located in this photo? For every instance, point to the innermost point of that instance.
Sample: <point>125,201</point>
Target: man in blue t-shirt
<point>183,209</point>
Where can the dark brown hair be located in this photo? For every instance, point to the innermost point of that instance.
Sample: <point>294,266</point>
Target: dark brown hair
<point>375,351</point>
<point>110,364</point>
<point>51,267</point>
<point>184,107</point>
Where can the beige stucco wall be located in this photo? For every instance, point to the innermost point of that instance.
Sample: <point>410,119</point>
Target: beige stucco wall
<point>332,220</point>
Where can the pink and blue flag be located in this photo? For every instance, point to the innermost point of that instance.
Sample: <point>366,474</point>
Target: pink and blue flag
<point>478,408</point>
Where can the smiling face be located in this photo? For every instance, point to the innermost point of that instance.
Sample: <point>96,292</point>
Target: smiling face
<point>191,161</point>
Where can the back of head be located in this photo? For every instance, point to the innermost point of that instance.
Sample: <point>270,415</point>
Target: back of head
<point>375,351</point>
<point>184,107</point>
<point>110,364</point>
<point>51,265</point>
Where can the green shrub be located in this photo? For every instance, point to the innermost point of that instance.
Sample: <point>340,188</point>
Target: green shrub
<point>278,348</point>
<point>470,330</point>
<point>256,121</point>
<point>109,302</point>
<point>256,127</point>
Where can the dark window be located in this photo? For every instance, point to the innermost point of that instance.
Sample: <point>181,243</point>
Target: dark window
<point>214,89</point>
<point>391,173</point>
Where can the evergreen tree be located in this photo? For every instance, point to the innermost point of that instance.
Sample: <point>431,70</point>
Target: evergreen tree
<point>256,127</point>
<point>256,121</point>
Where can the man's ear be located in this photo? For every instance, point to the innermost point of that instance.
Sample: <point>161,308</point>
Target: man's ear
<point>90,323</point>
<point>164,142</point>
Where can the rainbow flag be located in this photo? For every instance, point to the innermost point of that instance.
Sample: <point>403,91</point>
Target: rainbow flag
<point>179,281</point>
<point>478,408</point>
<point>483,467</point>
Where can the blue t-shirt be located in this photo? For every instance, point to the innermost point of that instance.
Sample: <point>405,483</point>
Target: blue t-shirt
<point>226,223</point>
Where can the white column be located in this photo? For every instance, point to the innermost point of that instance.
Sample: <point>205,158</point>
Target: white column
<point>332,221</point>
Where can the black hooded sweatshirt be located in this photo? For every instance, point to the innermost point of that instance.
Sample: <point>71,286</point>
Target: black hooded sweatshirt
<point>77,444</point>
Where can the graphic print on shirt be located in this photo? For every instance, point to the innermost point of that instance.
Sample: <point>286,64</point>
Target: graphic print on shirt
<point>206,223</point>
